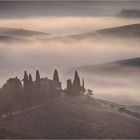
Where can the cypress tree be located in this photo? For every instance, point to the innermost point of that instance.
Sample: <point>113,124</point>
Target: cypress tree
<point>55,76</point>
<point>25,90</point>
<point>30,78</point>
<point>37,82</point>
<point>30,94</point>
<point>69,85</point>
<point>30,83</point>
<point>83,83</point>
<point>37,76</point>
<point>76,82</point>
<point>83,86</point>
<point>25,82</point>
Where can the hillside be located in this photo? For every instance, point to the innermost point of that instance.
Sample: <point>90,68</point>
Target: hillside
<point>9,39</point>
<point>6,133</point>
<point>127,31</point>
<point>20,32</point>
<point>131,66</point>
<point>74,117</point>
<point>134,108</point>
<point>122,31</point>
<point>131,31</point>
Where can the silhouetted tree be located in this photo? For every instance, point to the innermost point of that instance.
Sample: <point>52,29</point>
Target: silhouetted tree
<point>25,82</point>
<point>12,95</point>
<point>17,90</point>
<point>25,90</point>
<point>55,76</point>
<point>30,78</point>
<point>76,82</point>
<point>69,85</point>
<point>30,89</point>
<point>83,83</point>
<point>37,76</point>
<point>37,82</point>
<point>83,86</point>
<point>89,92</point>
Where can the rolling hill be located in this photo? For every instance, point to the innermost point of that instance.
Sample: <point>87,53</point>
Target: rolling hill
<point>20,32</point>
<point>122,31</point>
<point>121,67</point>
<point>75,117</point>
<point>10,39</point>
<point>127,31</point>
<point>135,108</point>
<point>6,133</point>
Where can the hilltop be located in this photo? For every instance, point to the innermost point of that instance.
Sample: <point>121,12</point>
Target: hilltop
<point>76,117</point>
<point>42,109</point>
<point>16,32</point>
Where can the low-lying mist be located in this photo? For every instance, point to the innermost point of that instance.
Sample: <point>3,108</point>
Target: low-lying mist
<point>48,55</point>
<point>119,89</point>
<point>67,25</point>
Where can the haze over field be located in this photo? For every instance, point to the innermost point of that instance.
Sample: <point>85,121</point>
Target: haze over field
<point>70,69</point>
<point>21,50</point>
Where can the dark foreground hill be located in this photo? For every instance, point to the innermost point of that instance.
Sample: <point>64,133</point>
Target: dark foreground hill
<point>74,117</point>
<point>6,133</point>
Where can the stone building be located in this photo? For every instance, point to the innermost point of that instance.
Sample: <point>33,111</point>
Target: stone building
<point>50,85</point>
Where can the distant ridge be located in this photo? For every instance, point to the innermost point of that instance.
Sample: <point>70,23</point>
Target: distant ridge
<point>20,32</point>
<point>125,67</point>
<point>7,39</point>
<point>125,31</point>
<point>130,62</point>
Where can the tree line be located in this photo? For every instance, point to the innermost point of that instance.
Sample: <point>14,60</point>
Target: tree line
<point>18,94</point>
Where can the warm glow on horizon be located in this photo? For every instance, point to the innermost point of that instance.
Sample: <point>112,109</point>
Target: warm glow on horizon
<point>66,25</point>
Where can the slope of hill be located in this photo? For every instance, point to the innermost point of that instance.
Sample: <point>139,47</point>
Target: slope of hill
<point>75,117</point>
<point>135,62</point>
<point>134,108</point>
<point>7,39</point>
<point>131,66</point>
<point>6,133</point>
<point>20,32</point>
<point>122,31</point>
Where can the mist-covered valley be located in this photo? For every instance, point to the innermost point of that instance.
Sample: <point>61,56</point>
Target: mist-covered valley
<point>46,53</point>
<point>86,56</point>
